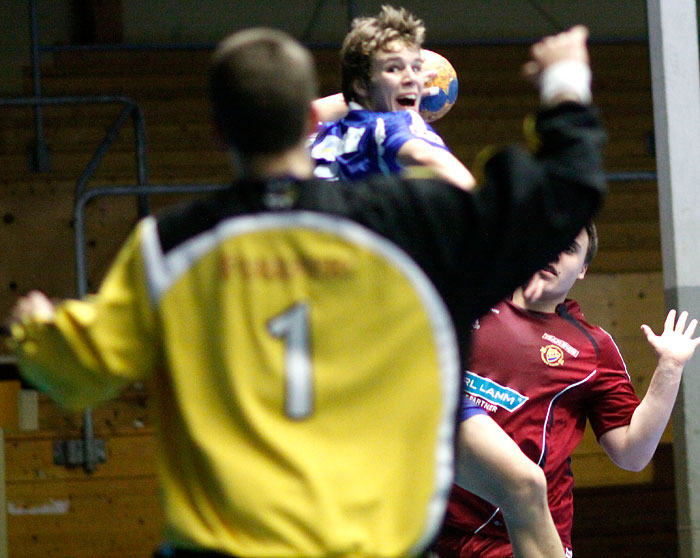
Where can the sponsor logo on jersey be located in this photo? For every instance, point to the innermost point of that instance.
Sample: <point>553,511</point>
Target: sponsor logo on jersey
<point>479,387</point>
<point>560,343</point>
<point>552,355</point>
<point>483,404</point>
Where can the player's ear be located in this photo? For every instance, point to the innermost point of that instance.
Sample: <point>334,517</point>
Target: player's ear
<point>582,273</point>
<point>360,87</point>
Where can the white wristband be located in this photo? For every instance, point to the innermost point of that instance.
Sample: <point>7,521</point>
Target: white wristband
<point>567,76</point>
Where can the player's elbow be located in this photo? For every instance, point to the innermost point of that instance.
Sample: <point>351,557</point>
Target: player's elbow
<point>632,463</point>
<point>626,455</point>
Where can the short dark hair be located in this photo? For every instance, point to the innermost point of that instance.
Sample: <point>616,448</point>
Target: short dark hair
<point>592,242</point>
<point>369,35</point>
<point>261,84</point>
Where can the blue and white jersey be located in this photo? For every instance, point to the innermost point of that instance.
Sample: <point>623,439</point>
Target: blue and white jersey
<point>366,142</point>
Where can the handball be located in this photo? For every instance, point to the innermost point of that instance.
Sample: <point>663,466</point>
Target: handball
<point>445,84</point>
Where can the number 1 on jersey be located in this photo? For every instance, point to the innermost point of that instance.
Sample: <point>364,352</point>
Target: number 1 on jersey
<point>293,327</point>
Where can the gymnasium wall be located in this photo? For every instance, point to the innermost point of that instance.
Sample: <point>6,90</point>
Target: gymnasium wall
<point>316,21</point>
<point>51,508</point>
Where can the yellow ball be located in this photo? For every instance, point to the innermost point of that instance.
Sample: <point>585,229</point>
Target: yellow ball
<point>436,106</point>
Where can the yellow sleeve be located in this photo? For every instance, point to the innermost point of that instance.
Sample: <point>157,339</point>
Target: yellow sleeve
<point>90,349</point>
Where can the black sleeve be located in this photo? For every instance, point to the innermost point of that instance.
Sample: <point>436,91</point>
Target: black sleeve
<point>478,247</point>
<point>531,207</point>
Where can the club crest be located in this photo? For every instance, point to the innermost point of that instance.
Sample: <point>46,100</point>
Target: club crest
<point>552,355</point>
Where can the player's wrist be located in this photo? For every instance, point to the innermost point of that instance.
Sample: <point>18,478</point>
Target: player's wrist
<point>671,365</point>
<point>566,80</point>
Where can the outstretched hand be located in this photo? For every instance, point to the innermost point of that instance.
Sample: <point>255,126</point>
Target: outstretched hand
<point>676,343</point>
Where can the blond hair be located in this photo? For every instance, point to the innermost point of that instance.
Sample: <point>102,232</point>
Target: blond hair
<point>368,36</point>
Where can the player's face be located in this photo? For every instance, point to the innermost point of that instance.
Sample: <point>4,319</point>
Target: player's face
<point>561,274</point>
<point>396,80</point>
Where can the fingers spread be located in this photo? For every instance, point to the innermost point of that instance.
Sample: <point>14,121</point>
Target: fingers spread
<point>670,320</point>
<point>680,324</point>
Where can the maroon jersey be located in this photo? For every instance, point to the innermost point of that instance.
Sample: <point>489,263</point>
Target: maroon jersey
<point>541,376</point>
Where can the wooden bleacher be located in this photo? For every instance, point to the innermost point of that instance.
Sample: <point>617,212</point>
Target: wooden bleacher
<point>623,289</point>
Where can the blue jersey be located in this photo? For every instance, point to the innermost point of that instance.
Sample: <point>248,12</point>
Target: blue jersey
<point>367,142</point>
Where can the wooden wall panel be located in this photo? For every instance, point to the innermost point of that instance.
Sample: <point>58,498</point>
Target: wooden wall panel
<point>29,456</point>
<point>59,512</point>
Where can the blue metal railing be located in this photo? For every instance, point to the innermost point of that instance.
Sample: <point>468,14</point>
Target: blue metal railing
<point>630,176</point>
<point>41,162</point>
<point>130,111</point>
<point>121,190</point>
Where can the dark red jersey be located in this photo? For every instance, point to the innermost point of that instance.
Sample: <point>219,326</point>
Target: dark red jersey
<point>541,377</point>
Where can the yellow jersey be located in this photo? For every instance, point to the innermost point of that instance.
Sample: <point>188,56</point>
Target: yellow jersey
<point>306,373</point>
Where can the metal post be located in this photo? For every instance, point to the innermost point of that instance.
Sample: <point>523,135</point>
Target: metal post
<point>673,48</point>
<point>39,155</point>
<point>144,201</point>
<point>112,133</point>
<point>89,454</point>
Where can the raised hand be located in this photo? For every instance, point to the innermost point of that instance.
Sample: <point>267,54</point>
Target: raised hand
<point>559,65</point>
<point>568,45</point>
<point>675,344</point>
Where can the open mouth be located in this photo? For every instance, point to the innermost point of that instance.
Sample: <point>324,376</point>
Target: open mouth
<point>407,101</point>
